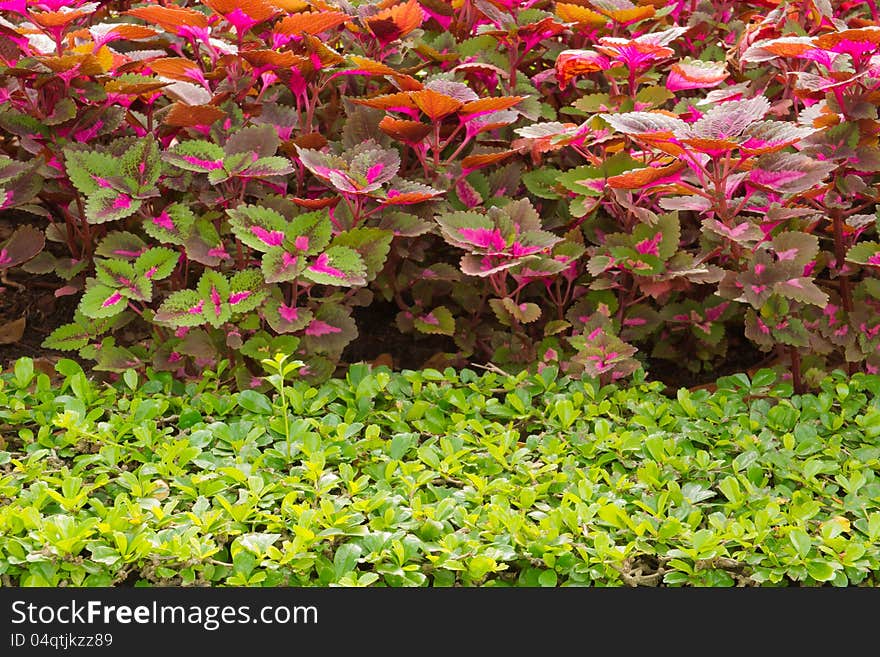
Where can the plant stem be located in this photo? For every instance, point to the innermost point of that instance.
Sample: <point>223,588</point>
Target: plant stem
<point>840,262</point>
<point>796,378</point>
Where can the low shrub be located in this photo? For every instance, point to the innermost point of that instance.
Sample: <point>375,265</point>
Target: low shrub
<point>429,478</point>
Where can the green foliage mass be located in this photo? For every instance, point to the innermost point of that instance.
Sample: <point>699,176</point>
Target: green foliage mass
<point>436,479</point>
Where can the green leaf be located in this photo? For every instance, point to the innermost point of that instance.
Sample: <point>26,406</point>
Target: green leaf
<point>69,337</point>
<point>548,578</point>
<point>864,253</point>
<point>543,183</point>
<point>801,542</point>
<point>821,571</point>
<point>345,559</point>
<point>255,402</point>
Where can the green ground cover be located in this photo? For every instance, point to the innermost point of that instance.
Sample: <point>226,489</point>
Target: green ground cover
<point>428,478</point>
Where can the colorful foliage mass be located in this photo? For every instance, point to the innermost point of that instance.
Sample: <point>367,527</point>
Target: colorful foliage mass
<point>593,183</point>
<point>435,479</point>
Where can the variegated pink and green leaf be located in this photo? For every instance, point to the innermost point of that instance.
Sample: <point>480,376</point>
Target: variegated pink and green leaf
<point>285,318</point>
<point>372,244</point>
<point>330,330</point>
<point>361,170</point>
<point>182,308</point>
<point>406,192</point>
<point>196,155</point>
<point>23,245</point>
<point>338,265</point>
<point>279,265</point>
<point>173,225</point>
<point>203,244</point>
<point>90,171</point>
<point>438,321</point>
<point>865,253</point>
<point>258,227</point>
<point>120,276</point>
<point>789,173</point>
<point>108,204</point>
<point>121,244</point>
<point>100,300</point>
<point>141,166</point>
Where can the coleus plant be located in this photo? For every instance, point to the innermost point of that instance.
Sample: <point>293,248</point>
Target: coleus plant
<point>605,177</point>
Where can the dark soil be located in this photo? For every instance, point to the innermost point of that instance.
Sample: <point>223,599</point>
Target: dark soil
<point>379,341</point>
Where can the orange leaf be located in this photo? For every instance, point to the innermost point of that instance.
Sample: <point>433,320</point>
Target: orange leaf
<point>434,104</point>
<point>315,203</point>
<point>170,19</point>
<point>484,105</point>
<point>372,67</point>
<point>710,145</point>
<point>188,116</point>
<point>393,23</point>
<point>313,140</point>
<point>327,56</point>
<point>485,159</point>
<point>644,177</point>
<point>631,15</point>
<point>134,88</point>
<point>580,15</point>
<point>176,68</point>
<point>133,32</point>
<point>258,10</point>
<point>410,132</point>
<point>391,102</point>
<point>88,63</point>
<point>829,41</point>
<point>286,59</point>
<point>56,18</point>
<point>407,198</point>
<point>311,22</point>
<point>289,5</point>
